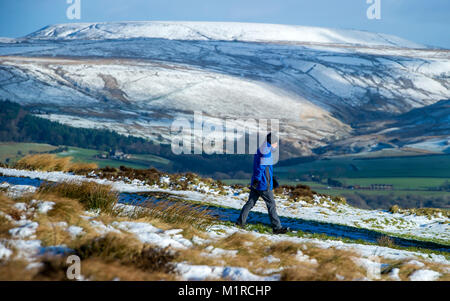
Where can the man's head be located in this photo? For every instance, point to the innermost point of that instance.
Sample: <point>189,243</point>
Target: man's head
<point>272,139</point>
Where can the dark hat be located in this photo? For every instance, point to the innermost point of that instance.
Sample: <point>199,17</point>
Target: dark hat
<point>271,137</point>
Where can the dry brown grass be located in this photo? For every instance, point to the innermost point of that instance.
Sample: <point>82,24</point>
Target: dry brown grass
<point>251,255</point>
<point>196,256</point>
<point>98,270</point>
<point>109,247</point>
<point>299,191</point>
<point>407,268</point>
<point>286,251</point>
<point>6,203</point>
<point>50,234</point>
<point>53,269</point>
<point>428,212</point>
<point>443,269</point>
<point>237,241</point>
<point>174,213</point>
<point>151,176</point>
<point>64,210</point>
<point>385,241</point>
<point>5,225</point>
<point>285,247</point>
<point>6,207</point>
<point>330,263</point>
<point>15,270</point>
<point>51,162</point>
<point>252,252</point>
<point>127,250</point>
<point>90,194</point>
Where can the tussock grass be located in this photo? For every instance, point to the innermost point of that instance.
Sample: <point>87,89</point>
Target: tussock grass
<point>128,251</point>
<point>6,207</point>
<point>299,191</point>
<point>109,247</point>
<point>5,225</point>
<point>284,247</point>
<point>151,176</point>
<point>174,213</point>
<point>237,241</point>
<point>251,252</point>
<point>385,241</point>
<point>15,270</point>
<point>6,203</point>
<point>248,246</point>
<point>428,212</point>
<point>286,251</point>
<point>97,270</point>
<point>331,262</point>
<point>50,234</point>
<point>394,209</point>
<point>196,256</point>
<point>53,269</point>
<point>51,162</point>
<point>407,268</point>
<point>64,210</point>
<point>90,194</point>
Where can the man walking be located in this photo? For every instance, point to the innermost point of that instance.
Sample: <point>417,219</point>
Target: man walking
<point>262,185</point>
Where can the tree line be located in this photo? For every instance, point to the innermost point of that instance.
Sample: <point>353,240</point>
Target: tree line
<point>18,125</point>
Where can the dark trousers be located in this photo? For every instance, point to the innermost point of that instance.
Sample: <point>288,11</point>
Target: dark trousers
<point>267,196</point>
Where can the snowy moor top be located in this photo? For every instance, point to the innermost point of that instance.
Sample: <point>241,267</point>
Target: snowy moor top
<point>226,31</point>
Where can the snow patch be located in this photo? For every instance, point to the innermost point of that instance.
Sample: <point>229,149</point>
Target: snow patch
<point>271,259</point>
<point>424,275</point>
<point>24,231</point>
<point>5,253</point>
<point>147,233</point>
<point>44,207</point>
<point>203,272</point>
<point>75,231</point>
<point>394,274</point>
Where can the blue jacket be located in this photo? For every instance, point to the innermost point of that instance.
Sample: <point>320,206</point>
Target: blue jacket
<point>263,167</point>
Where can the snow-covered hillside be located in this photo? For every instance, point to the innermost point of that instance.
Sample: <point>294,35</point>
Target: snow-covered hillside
<point>136,77</point>
<point>218,31</point>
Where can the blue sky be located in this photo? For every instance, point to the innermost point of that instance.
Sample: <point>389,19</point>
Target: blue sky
<point>422,21</point>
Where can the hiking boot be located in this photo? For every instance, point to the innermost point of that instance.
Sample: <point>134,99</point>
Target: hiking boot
<point>280,231</point>
<point>239,225</point>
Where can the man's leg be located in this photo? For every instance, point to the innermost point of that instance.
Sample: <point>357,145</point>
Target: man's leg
<point>271,208</point>
<point>252,198</point>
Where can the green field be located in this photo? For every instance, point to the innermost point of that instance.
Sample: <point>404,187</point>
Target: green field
<point>16,151</point>
<point>433,166</point>
<point>136,161</point>
<point>402,184</point>
<point>398,183</point>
